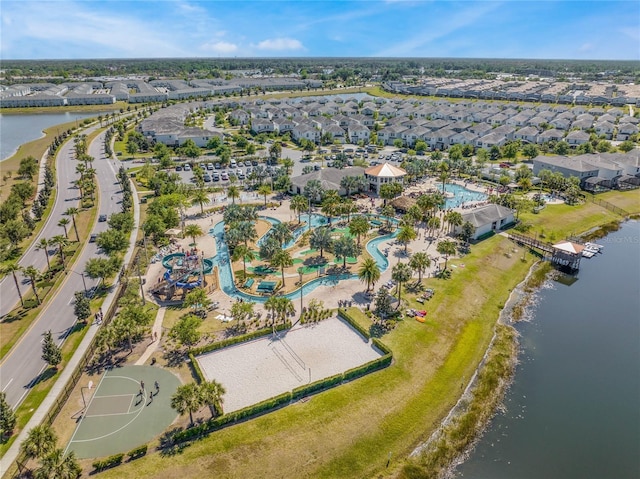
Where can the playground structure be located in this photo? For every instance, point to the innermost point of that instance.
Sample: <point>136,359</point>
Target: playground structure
<point>184,272</point>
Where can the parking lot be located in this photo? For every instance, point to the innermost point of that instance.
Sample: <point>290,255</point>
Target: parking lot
<point>216,174</point>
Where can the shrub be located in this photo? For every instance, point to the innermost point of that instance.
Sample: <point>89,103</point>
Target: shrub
<point>111,461</point>
<point>137,452</point>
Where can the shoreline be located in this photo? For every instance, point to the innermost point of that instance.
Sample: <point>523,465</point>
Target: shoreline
<point>517,305</point>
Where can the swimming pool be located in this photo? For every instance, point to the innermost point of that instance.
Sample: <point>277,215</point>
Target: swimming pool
<point>461,195</point>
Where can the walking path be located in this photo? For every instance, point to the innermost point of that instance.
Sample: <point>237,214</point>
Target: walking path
<point>60,384</point>
<point>156,336</point>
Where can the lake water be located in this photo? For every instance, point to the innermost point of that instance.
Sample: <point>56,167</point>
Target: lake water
<point>18,129</point>
<point>573,411</point>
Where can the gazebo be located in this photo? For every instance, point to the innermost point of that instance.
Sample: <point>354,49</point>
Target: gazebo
<point>381,174</point>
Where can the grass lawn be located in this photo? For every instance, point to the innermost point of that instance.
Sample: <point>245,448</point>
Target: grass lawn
<point>348,431</point>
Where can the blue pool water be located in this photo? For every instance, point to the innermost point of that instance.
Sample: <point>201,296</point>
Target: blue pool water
<point>222,260</point>
<point>316,220</point>
<point>461,195</point>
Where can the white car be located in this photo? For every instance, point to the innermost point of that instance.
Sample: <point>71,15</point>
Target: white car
<point>187,167</point>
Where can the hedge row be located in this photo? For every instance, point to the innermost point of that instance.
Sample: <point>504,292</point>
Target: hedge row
<point>354,324</point>
<point>196,368</point>
<point>316,386</point>
<point>381,346</point>
<point>244,413</point>
<point>371,366</point>
<point>110,461</point>
<point>137,452</point>
<point>236,339</point>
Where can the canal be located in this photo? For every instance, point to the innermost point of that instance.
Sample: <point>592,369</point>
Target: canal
<point>573,411</point>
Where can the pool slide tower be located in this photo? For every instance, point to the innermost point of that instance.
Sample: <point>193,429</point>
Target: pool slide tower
<point>184,272</point>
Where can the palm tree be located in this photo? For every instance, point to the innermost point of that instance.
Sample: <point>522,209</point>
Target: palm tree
<point>193,231</point>
<point>13,267</point>
<point>419,262</point>
<point>345,248</point>
<point>43,244</point>
<point>233,192</point>
<point>40,441</point>
<point>298,204</point>
<point>200,197</point>
<point>245,253</point>
<point>446,248</point>
<point>369,272</point>
<point>406,234</point>
<point>282,259</point>
<point>212,392</point>
<point>314,191</point>
<point>264,190</point>
<point>282,233</point>
<point>401,273</point>
<point>72,211</point>
<point>284,307</point>
<point>320,239</point>
<point>246,231</point>
<point>187,398</point>
<point>32,273</point>
<point>359,226</point>
<point>56,465</point>
<point>349,183</point>
<point>330,204</point>
<point>348,207</point>
<point>433,224</point>
<point>64,222</point>
<point>443,169</point>
<point>454,218</point>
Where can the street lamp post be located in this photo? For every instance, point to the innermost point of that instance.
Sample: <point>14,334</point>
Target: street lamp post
<point>84,284</point>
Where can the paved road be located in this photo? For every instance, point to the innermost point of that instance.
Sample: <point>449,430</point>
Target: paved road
<point>22,366</point>
<point>68,196</point>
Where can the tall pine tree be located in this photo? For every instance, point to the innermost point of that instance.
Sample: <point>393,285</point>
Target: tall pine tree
<point>51,352</point>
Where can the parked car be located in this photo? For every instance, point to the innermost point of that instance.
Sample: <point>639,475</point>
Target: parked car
<point>207,178</point>
<point>224,176</point>
<point>187,167</point>
<point>254,163</point>
<point>209,166</point>
<point>216,177</point>
<point>217,166</point>
<point>247,163</point>
<point>92,238</point>
<point>102,218</point>
<point>179,168</point>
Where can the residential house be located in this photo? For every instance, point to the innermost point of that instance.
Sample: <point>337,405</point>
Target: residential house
<point>528,134</point>
<point>357,133</point>
<point>577,137</point>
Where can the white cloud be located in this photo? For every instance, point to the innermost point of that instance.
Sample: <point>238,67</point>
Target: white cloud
<point>586,47</point>
<point>280,44</point>
<point>220,47</point>
<point>417,44</point>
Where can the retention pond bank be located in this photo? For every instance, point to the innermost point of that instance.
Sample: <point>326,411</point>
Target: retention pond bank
<point>572,411</point>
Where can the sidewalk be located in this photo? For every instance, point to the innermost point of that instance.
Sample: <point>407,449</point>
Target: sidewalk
<point>59,386</point>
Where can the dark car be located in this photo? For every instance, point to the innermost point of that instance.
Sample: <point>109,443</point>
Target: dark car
<point>92,238</point>
<point>102,218</point>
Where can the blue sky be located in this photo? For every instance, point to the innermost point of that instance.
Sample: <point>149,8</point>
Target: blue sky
<point>312,28</point>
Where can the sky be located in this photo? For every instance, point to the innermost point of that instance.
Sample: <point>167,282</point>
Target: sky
<point>545,29</point>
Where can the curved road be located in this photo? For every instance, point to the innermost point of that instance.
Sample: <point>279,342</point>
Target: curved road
<point>23,364</point>
<point>67,196</point>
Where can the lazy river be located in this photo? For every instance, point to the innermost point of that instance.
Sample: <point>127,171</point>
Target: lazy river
<point>223,260</point>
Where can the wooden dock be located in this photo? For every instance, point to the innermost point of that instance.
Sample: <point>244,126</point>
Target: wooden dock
<point>561,257</point>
